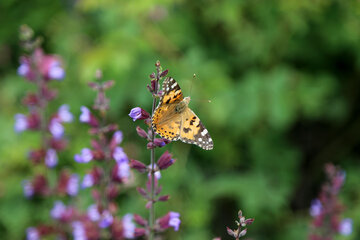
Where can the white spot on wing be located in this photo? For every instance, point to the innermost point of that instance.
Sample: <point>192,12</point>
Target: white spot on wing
<point>174,85</point>
<point>204,132</point>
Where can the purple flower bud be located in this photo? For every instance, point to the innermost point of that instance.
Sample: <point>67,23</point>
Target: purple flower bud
<point>231,232</point>
<point>138,114</point>
<point>141,132</point>
<point>73,185</point>
<point>93,213</point>
<point>24,69</point>
<point>20,123</point>
<point>119,155</point>
<point>123,170</point>
<point>129,226</point>
<point>164,73</point>
<point>65,114</point>
<point>78,230</point>
<point>135,164</point>
<point>106,219</point>
<point>55,71</point>
<point>140,220</point>
<point>58,210</point>
<point>28,188</point>
<point>56,128</point>
<point>88,181</point>
<point>164,198</point>
<point>51,158</point>
<point>32,234</point>
<point>118,137</point>
<point>315,208</point>
<point>85,156</point>
<point>345,227</point>
<point>243,232</point>
<point>174,220</point>
<point>165,161</point>
<point>85,116</point>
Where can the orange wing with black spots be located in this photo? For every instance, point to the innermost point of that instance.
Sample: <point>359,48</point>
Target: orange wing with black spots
<point>174,120</point>
<point>193,131</point>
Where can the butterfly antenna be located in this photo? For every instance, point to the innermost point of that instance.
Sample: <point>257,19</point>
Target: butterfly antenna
<point>192,81</point>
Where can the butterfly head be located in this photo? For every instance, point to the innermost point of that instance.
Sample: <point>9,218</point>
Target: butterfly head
<point>181,106</point>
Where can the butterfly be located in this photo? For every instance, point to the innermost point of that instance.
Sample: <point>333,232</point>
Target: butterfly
<point>174,120</point>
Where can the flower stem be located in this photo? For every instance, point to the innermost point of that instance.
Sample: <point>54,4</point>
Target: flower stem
<point>152,157</point>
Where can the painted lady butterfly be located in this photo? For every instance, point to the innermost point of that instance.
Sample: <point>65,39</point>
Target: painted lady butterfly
<point>174,120</point>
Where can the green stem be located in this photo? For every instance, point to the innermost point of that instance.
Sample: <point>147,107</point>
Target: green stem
<point>152,196</point>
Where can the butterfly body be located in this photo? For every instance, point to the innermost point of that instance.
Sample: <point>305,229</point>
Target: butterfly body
<point>174,120</point>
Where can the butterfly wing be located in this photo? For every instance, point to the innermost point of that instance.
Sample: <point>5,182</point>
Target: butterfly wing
<point>193,131</point>
<point>165,121</point>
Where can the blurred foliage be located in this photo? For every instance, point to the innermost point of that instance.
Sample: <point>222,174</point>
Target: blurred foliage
<point>282,77</point>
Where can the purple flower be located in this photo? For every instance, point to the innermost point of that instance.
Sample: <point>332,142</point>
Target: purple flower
<point>23,69</point>
<point>119,155</point>
<point>88,181</point>
<point>32,234</point>
<point>73,185</point>
<point>65,114</point>
<point>78,231</point>
<point>129,226</point>
<point>118,137</point>
<point>51,158</point>
<point>174,220</point>
<point>316,208</point>
<point>85,156</point>
<point>345,227</point>
<point>93,213</point>
<point>157,173</point>
<point>28,189</point>
<point>56,71</point>
<point>56,128</point>
<point>58,210</point>
<point>106,219</point>
<point>138,114</point>
<point>123,170</point>
<point>85,116</point>
<point>20,123</point>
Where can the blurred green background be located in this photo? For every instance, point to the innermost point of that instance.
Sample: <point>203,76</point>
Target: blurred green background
<point>282,77</point>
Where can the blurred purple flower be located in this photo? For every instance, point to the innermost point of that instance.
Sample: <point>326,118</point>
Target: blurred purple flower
<point>118,137</point>
<point>171,219</point>
<point>174,220</point>
<point>129,226</point>
<point>28,188</point>
<point>79,231</point>
<point>88,181</point>
<point>56,128</point>
<point>32,234</point>
<point>58,210</point>
<point>93,213</point>
<point>345,227</point>
<point>85,156</point>
<point>23,69</point>
<point>64,113</point>
<point>51,158</point>
<point>123,170</point>
<point>315,208</point>
<point>85,116</point>
<point>138,114</point>
<point>20,123</point>
<point>72,187</point>
<point>119,155</point>
<point>55,71</point>
<point>106,219</point>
